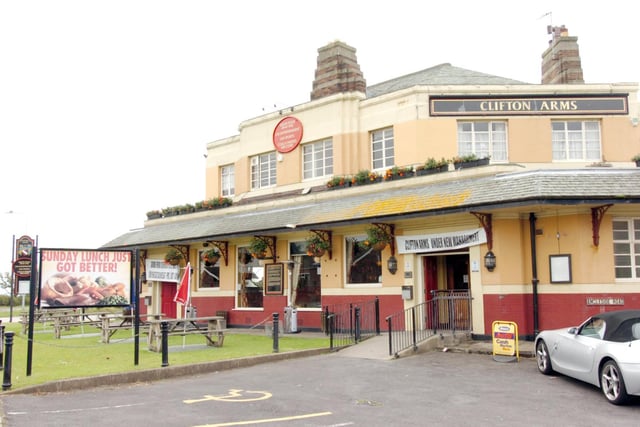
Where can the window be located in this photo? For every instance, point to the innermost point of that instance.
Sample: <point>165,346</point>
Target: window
<point>382,149</point>
<point>576,140</point>
<point>317,159</point>
<point>484,139</point>
<point>305,277</point>
<point>227,180</point>
<point>209,273</point>
<point>363,264</point>
<point>250,280</point>
<point>263,170</point>
<point>594,328</point>
<point>626,248</point>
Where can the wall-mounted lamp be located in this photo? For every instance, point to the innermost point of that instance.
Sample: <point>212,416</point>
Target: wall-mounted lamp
<point>392,264</point>
<point>490,261</point>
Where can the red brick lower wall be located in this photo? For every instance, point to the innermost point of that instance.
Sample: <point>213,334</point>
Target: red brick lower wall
<point>554,310</point>
<point>311,320</point>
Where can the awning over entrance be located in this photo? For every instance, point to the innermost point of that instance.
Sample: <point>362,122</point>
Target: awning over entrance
<point>384,201</point>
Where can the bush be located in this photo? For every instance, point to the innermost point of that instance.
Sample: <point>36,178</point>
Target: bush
<point>17,301</point>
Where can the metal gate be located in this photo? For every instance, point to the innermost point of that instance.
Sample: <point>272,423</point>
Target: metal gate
<point>447,310</point>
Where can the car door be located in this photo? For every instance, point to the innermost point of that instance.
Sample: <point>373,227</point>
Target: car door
<point>574,354</point>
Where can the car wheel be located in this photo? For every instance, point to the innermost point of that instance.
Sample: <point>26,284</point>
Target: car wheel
<point>543,359</point>
<point>612,383</point>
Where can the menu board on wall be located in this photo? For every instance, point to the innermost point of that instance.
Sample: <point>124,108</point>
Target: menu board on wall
<point>274,279</point>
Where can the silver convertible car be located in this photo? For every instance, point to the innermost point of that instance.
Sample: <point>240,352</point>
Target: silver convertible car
<point>603,351</point>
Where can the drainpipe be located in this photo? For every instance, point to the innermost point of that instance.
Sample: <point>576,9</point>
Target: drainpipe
<point>534,271</point>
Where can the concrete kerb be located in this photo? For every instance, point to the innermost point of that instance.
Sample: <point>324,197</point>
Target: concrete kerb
<point>158,374</point>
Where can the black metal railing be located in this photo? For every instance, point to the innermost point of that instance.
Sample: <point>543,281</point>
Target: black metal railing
<point>446,311</point>
<point>350,323</point>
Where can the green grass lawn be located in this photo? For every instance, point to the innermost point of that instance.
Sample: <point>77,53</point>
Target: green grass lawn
<point>80,352</point>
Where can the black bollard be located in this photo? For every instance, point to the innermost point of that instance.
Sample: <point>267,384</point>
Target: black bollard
<point>1,344</point>
<point>164,328</point>
<point>275,332</point>
<point>357,323</point>
<point>6,381</point>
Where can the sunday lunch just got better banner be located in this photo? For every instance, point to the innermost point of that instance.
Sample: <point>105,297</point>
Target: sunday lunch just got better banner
<point>84,278</point>
<point>440,241</point>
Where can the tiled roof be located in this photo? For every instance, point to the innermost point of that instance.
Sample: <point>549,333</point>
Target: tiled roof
<point>443,74</point>
<point>384,202</point>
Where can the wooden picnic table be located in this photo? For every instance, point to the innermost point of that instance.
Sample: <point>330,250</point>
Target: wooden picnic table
<point>211,327</point>
<point>111,323</point>
<point>62,319</point>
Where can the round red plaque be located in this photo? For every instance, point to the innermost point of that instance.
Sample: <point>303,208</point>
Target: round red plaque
<point>287,134</point>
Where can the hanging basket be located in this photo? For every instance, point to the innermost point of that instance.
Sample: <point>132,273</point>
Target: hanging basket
<point>260,255</point>
<point>379,246</point>
<point>316,252</point>
<point>211,260</point>
<point>173,257</point>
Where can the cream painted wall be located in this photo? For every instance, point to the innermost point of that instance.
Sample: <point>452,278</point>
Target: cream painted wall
<point>529,140</point>
<point>614,131</point>
<point>589,264</point>
<point>349,118</point>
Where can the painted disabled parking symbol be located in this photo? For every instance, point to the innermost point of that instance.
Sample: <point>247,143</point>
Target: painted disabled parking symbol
<point>235,395</point>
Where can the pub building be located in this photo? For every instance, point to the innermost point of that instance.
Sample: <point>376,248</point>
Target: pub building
<point>522,196</point>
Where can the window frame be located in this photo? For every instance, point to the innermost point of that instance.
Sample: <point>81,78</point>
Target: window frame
<point>318,149</point>
<point>354,239</point>
<point>492,139</point>
<point>265,163</point>
<point>632,240</point>
<point>244,251</point>
<point>568,142</point>
<point>298,254</point>
<point>203,267</point>
<point>227,180</point>
<point>387,141</point>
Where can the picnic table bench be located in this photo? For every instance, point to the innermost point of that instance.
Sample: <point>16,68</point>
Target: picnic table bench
<point>61,319</point>
<point>211,327</point>
<point>64,320</point>
<point>110,324</point>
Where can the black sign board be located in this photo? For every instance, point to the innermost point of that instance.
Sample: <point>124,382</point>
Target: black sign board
<point>22,267</point>
<point>528,105</point>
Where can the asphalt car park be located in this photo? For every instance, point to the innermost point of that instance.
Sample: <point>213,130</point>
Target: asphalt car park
<point>434,388</point>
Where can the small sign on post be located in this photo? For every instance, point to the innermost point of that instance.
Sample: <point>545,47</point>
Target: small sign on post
<point>505,341</point>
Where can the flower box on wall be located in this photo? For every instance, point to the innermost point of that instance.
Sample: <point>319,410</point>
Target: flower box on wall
<point>421,172</point>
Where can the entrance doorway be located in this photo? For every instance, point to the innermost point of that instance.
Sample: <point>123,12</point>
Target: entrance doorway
<point>167,305</point>
<point>446,286</point>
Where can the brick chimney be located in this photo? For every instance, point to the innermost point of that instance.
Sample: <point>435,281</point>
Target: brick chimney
<point>337,71</point>
<point>561,61</point>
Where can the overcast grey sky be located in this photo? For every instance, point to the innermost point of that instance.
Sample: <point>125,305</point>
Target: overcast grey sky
<point>106,106</point>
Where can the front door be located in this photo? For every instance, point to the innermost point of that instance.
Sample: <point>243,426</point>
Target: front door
<point>167,305</point>
<point>446,283</point>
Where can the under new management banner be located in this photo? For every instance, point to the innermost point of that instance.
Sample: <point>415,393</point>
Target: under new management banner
<point>85,278</point>
<point>440,241</point>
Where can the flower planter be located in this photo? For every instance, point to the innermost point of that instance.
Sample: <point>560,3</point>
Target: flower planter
<point>339,186</point>
<point>154,216</point>
<point>431,171</point>
<point>638,163</point>
<point>471,164</point>
<point>403,176</point>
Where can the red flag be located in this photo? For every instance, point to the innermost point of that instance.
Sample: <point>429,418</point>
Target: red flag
<point>183,294</point>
